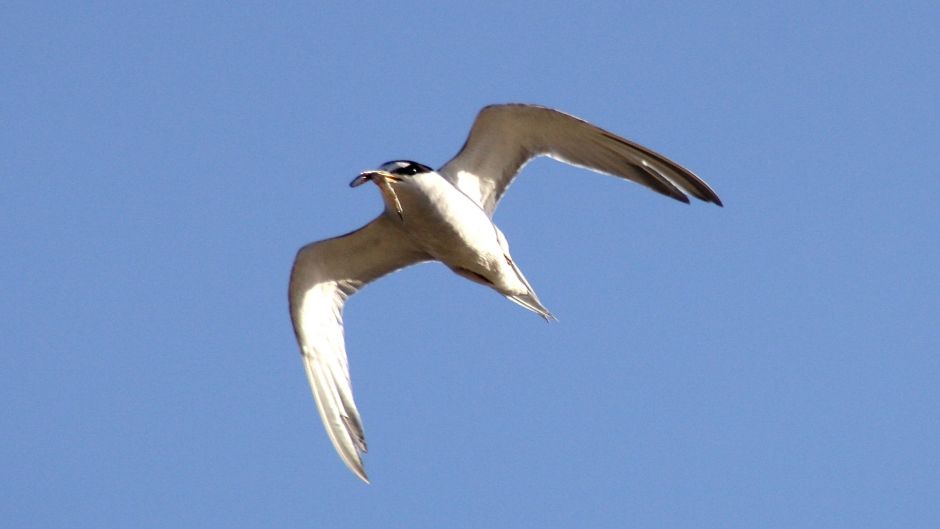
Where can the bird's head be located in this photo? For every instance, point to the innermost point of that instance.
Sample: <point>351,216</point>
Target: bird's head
<point>394,171</point>
<point>390,175</point>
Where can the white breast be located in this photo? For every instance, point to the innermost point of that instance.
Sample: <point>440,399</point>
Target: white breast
<point>447,224</point>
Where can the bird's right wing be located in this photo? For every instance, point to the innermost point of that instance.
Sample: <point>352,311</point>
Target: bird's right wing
<point>324,274</point>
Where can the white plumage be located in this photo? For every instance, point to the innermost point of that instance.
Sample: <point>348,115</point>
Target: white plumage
<point>446,216</point>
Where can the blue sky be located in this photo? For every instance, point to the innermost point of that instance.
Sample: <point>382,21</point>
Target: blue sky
<point>772,363</point>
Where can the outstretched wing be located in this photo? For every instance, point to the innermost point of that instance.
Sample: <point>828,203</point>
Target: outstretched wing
<point>505,137</point>
<point>325,273</point>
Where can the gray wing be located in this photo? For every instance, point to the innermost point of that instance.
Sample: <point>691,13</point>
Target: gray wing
<point>505,137</point>
<point>324,274</point>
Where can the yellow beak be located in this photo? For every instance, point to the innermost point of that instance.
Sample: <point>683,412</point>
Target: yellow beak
<point>384,180</point>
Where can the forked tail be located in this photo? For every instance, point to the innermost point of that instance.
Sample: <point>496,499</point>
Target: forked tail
<point>532,303</point>
<point>528,300</point>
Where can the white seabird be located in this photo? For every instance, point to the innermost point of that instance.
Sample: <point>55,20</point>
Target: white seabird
<point>445,215</point>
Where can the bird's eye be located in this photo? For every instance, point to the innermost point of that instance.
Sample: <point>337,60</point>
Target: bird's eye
<point>411,169</point>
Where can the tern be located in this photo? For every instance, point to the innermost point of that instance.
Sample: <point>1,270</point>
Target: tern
<point>446,215</point>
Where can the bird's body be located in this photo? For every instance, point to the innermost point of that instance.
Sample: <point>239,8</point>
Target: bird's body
<point>453,229</point>
<point>446,215</point>
<point>445,223</point>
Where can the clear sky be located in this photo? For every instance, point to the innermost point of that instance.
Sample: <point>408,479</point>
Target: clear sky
<point>773,363</point>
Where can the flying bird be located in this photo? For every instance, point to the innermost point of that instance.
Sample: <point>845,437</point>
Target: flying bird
<point>446,215</point>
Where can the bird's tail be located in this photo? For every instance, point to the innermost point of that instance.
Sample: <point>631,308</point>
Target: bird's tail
<point>528,300</point>
<point>531,302</point>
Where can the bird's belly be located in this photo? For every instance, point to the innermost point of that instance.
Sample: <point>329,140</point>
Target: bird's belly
<point>455,231</point>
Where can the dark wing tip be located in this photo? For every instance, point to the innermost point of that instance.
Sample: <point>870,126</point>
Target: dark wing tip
<point>706,194</point>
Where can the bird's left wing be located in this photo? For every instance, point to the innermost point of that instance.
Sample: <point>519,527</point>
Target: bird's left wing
<point>505,137</point>
<point>324,274</point>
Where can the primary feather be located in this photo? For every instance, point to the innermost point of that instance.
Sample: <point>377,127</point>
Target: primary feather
<point>505,137</point>
<point>324,274</point>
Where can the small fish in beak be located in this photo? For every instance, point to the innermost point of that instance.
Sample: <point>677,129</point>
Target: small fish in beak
<point>381,179</point>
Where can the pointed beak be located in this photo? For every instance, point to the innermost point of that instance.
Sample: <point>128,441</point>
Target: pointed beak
<point>383,179</point>
<point>361,179</point>
<point>379,177</point>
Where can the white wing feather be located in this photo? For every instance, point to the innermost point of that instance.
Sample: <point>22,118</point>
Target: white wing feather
<point>505,137</point>
<point>324,274</point>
